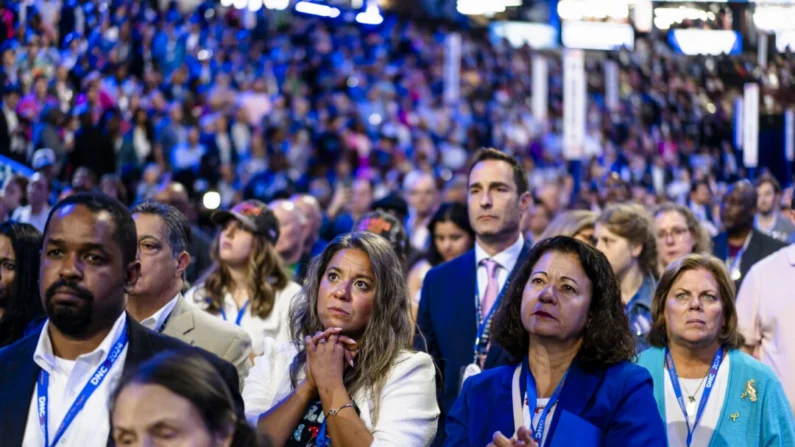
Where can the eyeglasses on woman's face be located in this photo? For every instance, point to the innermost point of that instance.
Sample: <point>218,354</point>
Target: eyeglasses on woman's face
<point>676,233</point>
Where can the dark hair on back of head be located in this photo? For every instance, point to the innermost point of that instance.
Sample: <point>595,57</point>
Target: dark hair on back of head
<point>177,225</point>
<point>194,379</point>
<point>519,174</point>
<point>607,339</point>
<point>124,227</point>
<point>23,304</point>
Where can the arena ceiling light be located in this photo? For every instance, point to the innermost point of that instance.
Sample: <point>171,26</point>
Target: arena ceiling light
<point>774,18</point>
<point>316,9</point>
<point>709,42</point>
<point>371,15</point>
<point>589,9</point>
<point>278,5</point>
<point>665,17</point>
<point>485,7</point>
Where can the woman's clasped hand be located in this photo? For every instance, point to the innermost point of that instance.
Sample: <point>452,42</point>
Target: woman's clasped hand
<point>523,438</point>
<point>328,353</point>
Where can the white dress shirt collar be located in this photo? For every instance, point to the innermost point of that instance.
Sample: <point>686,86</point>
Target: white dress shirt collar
<point>506,259</point>
<point>44,356</point>
<point>156,321</point>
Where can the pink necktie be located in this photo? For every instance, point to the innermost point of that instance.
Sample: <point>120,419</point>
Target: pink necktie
<point>491,287</point>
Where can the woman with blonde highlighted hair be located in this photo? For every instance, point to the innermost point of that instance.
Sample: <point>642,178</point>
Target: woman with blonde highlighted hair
<point>708,392</point>
<point>248,285</point>
<point>349,377</point>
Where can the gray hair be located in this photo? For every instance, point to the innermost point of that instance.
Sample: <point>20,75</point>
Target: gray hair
<point>177,226</point>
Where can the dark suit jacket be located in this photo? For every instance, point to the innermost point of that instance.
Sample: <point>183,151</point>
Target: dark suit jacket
<point>18,374</point>
<point>446,325</point>
<point>759,247</point>
<point>605,407</point>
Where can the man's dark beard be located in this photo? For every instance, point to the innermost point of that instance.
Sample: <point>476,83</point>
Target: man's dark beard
<point>71,320</point>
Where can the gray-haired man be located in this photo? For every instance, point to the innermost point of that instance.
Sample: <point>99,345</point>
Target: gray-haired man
<point>156,301</point>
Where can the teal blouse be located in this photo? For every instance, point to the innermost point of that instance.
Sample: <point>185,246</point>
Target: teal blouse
<point>763,420</point>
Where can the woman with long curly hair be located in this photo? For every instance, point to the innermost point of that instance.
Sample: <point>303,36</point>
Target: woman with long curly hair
<point>248,286</point>
<point>575,383</point>
<point>21,310</point>
<point>349,378</point>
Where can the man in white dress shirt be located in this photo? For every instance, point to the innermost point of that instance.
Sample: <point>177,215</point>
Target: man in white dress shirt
<point>55,385</point>
<point>156,301</point>
<point>36,212</point>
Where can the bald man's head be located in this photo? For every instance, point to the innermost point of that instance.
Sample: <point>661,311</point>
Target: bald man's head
<point>176,195</point>
<point>310,208</point>
<point>292,223</point>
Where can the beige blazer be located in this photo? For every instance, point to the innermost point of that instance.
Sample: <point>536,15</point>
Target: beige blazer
<point>198,328</point>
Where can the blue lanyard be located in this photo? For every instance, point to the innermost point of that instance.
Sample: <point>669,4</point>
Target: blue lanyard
<point>735,265</point>
<point>484,324</point>
<point>240,314</point>
<point>713,372</point>
<point>530,392</point>
<point>165,322</point>
<point>96,380</point>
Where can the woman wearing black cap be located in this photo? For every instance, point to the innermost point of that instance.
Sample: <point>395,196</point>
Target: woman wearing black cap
<point>247,285</point>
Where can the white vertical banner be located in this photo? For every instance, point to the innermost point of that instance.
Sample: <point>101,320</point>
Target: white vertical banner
<point>761,53</point>
<point>789,134</point>
<point>452,68</point>
<point>574,91</point>
<point>739,109</point>
<point>540,88</point>
<point>751,125</point>
<point>611,85</point>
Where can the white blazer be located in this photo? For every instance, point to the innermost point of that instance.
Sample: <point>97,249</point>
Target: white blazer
<point>408,411</point>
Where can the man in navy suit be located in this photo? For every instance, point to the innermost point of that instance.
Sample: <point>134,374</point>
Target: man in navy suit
<point>55,384</point>
<point>459,297</point>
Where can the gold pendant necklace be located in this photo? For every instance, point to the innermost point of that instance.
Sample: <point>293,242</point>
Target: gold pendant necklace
<point>691,406</point>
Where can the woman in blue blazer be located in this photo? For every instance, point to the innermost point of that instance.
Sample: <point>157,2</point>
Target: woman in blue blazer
<point>707,391</point>
<point>575,384</point>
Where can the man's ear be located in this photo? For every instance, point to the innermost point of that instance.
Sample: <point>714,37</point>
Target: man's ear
<point>133,273</point>
<point>525,200</point>
<point>183,260</point>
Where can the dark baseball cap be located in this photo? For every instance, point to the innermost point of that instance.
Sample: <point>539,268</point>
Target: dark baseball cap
<point>254,215</point>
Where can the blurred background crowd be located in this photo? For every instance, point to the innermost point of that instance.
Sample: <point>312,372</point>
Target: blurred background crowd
<point>129,96</point>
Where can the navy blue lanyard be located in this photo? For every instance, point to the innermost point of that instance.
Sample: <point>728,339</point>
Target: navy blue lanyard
<point>80,401</point>
<point>530,392</point>
<point>484,324</point>
<point>240,313</point>
<point>713,373</point>
<point>165,322</point>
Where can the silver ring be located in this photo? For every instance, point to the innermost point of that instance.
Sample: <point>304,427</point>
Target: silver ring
<point>322,340</point>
